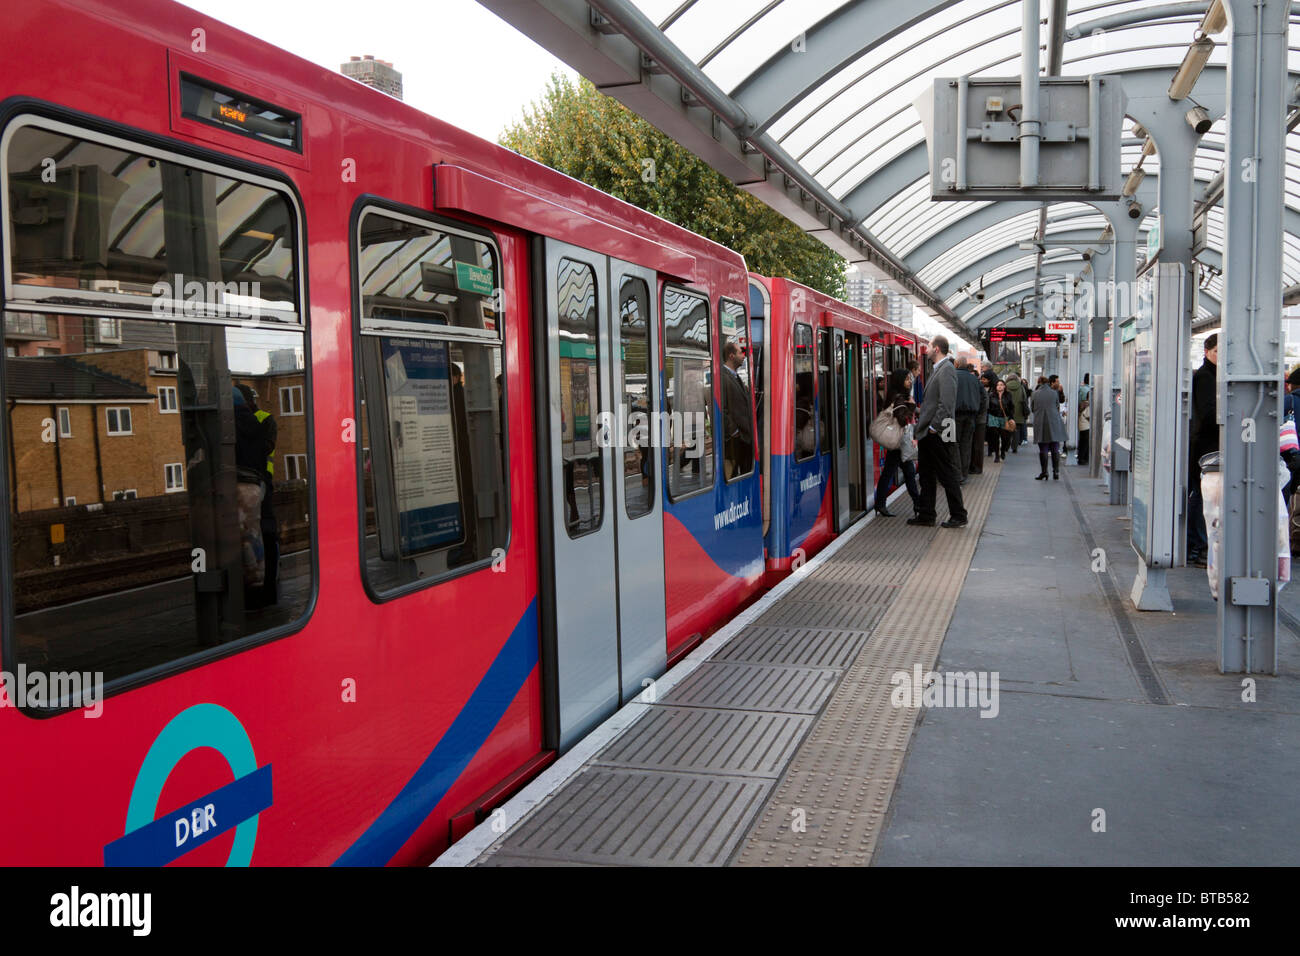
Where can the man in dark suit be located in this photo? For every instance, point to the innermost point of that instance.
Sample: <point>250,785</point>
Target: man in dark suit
<point>936,434</point>
<point>738,447</point>
<point>1202,438</point>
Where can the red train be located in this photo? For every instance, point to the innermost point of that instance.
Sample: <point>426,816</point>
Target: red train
<point>357,466</point>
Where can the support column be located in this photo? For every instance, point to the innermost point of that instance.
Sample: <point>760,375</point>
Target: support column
<point>1250,342</point>
<point>1097,377</point>
<point>1123,279</point>
<point>1176,143</point>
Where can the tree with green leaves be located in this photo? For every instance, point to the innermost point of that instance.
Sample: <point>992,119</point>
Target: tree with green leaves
<point>579,131</point>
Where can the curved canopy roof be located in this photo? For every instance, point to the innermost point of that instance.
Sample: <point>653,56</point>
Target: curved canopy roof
<point>809,104</point>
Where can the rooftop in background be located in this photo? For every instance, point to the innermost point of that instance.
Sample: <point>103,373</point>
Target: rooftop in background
<point>376,73</point>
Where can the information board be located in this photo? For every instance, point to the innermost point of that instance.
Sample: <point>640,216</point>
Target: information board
<point>418,388</point>
<point>1143,410</point>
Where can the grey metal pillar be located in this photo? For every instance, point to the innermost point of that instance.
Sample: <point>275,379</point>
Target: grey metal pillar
<point>1176,143</point>
<point>1123,280</point>
<point>1250,342</point>
<point>1097,369</point>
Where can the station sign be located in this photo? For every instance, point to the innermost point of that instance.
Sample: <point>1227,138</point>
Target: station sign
<point>1062,326</point>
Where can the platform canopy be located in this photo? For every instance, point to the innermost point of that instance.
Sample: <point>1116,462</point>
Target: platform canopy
<point>808,104</point>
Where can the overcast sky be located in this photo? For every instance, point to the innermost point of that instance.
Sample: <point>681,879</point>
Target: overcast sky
<point>451,53</point>
<point>458,61</point>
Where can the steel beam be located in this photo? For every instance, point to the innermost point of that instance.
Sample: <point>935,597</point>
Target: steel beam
<point>1250,347</point>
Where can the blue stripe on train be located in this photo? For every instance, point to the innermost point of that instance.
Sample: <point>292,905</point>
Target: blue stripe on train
<point>452,754</point>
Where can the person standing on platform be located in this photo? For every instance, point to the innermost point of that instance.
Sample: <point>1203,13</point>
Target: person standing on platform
<point>935,432</point>
<point>1203,438</point>
<point>900,399</point>
<point>1020,408</point>
<point>989,379</point>
<point>968,406</point>
<point>1049,429</point>
<point>981,427</point>
<point>918,390</point>
<point>1085,430</point>
<point>1001,410</point>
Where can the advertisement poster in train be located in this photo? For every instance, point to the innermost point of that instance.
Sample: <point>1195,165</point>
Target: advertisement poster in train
<point>418,385</point>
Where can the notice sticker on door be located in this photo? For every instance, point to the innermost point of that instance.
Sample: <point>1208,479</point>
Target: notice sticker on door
<point>419,389</point>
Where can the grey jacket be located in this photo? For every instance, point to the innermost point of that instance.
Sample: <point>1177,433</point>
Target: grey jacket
<point>1048,426</point>
<point>940,401</point>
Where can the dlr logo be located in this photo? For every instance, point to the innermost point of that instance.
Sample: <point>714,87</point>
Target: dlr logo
<point>200,821</point>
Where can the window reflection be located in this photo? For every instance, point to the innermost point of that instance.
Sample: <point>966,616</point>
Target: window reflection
<point>172,518</point>
<point>689,390</point>
<point>805,427</point>
<point>638,451</point>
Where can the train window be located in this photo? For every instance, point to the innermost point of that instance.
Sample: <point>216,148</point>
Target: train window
<point>689,388</point>
<point>580,396</point>
<point>100,225</point>
<point>638,451</point>
<point>144,530</point>
<point>824,390</point>
<point>737,402</point>
<point>431,394</point>
<point>805,428</point>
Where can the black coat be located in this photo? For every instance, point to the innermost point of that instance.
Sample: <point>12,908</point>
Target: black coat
<point>739,423</point>
<point>968,392</point>
<point>1203,437</point>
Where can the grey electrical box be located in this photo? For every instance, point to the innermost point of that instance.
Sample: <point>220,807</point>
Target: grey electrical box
<point>1081,123</point>
<point>1253,592</point>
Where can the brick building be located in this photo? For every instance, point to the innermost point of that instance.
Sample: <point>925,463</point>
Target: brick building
<point>86,432</point>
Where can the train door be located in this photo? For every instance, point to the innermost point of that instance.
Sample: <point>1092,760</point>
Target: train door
<point>760,359</point>
<point>605,627</point>
<point>850,493</point>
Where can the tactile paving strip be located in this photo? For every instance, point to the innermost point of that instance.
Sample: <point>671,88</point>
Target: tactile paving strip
<point>686,783</point>
<point>638,818</point>
<point>716,741</point>
<point>799,646</point>
<point>829,807</point>
<point>793,690</point>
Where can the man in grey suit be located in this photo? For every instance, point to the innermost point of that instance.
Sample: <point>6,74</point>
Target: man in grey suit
<point>936,433</point>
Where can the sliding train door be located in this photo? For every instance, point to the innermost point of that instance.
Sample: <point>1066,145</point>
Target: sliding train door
<point>847,429</point>
<point>604,627</point>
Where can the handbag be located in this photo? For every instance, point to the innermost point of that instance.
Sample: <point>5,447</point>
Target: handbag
<point>1009,425</point>
<point>885,430</point>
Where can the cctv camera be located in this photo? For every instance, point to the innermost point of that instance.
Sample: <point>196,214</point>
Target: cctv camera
<point>1135,211</point>
<point>979,296</point>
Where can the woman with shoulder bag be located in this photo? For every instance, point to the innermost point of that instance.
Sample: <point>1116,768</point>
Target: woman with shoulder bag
<point>899,403</point>
<point>1002,420</point>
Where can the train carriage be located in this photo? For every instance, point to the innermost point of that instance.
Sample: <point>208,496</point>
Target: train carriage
<point>823,368</point>
<point>506,484</point>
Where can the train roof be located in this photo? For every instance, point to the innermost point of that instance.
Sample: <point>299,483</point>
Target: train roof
<point>868,321</point>
<point>531,192</point>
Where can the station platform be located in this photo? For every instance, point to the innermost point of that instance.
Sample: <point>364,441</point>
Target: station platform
<point>1089,733</point>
